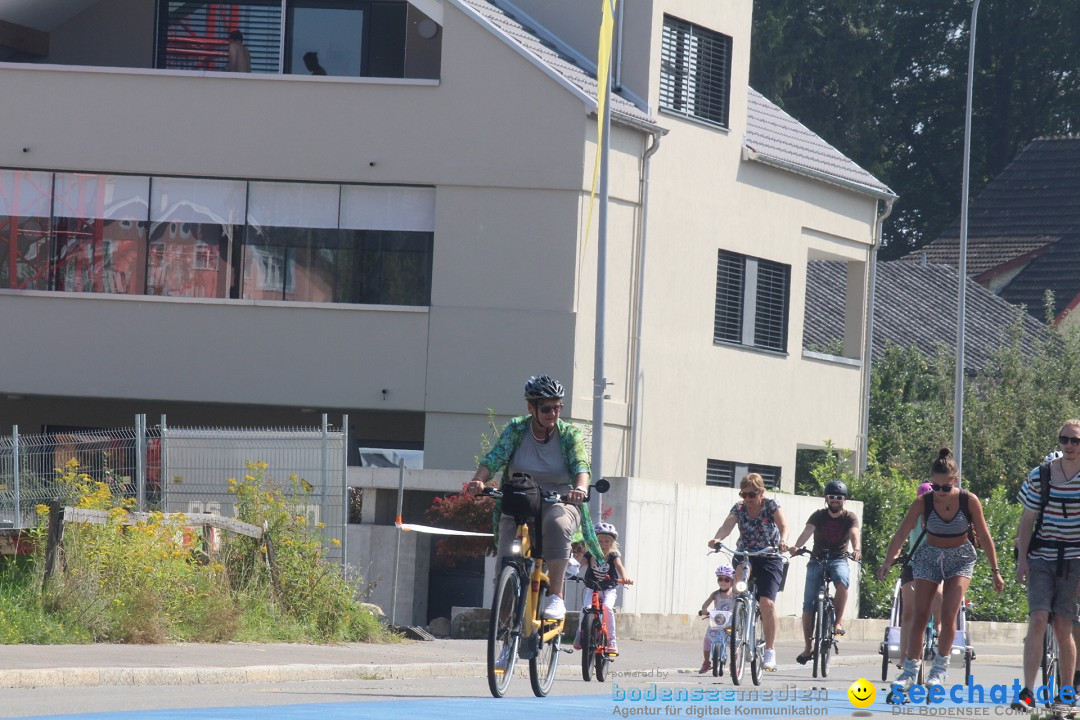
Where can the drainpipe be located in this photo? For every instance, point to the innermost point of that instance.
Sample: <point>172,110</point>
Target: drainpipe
<point>636,369</point>
<point>617,83</point>
<point>868,336</point>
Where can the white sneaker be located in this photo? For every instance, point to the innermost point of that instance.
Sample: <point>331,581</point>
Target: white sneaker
<point>555,609</point>
<point>907,676</point>
<point>770,660</point>
<point>938,671</point>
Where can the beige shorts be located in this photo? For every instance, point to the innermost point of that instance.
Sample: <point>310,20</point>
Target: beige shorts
<point>560,522</point>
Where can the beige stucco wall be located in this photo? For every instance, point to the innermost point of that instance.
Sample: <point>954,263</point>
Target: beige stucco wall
<point>509,150</point>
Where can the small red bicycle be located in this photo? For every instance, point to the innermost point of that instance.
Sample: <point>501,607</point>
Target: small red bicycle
<point>595,635</point>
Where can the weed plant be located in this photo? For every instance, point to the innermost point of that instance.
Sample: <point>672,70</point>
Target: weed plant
<point>146,583</point>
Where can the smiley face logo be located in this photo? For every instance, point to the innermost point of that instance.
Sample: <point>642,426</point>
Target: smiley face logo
<point>862,693</point>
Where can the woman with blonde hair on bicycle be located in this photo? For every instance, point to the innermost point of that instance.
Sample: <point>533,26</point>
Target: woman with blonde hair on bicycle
<point>946,555</point>
<point>761,525</point>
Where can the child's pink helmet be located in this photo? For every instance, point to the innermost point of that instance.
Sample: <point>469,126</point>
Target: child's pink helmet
<point>924,488</point>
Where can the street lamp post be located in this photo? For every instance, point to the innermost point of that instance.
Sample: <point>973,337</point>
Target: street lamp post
<point>958,400</point>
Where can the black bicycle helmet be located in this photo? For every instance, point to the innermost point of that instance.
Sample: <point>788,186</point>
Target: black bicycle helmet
<point>543,387</point>
<point>836,487</point>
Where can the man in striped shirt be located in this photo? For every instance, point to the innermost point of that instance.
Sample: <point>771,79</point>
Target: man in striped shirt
<point>1049,562</point>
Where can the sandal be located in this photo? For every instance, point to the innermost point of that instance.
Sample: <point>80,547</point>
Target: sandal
<point>838,631</point>
<point>804,658</point>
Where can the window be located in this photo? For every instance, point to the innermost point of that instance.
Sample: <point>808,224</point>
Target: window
<point>342,38</point>
<point>725,473</point>
<point>198,237</point>
<point>695,71</point>
<point>751,302</point>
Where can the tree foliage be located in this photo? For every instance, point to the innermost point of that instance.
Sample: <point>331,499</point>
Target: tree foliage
<point>885,82</point>
<point>1013,410</point>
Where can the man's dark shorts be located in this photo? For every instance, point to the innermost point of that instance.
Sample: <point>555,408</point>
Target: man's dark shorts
<point>1049,592</point>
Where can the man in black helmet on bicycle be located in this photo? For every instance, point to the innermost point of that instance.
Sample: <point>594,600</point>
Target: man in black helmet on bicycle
<point>833,528</point>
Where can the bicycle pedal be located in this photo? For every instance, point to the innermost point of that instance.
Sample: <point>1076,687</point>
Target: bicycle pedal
<point>568,651</point>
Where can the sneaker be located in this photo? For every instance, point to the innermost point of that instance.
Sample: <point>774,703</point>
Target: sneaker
<point>612,651</point>
<point>555,608</point>
<point>770,660</point>
<point>907,676</point>
<point>705,667</point>
<point>577,644</point>
<point>938,671</point>
<point>1024,702</point>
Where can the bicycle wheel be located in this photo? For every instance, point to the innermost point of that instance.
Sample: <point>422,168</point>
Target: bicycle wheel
<point>602,658</point>
<point>928,644</point>
<point>828,627</point>
<point>739,645</point>
<point>757,649</point>
<point>968,678</point>
<point>542,666</point>
<point>503,632</point>
<point>588,650</point>
<point>819,615</point>
<point>885,657</point>
<point>1049,662</point>
<point>716,658</point>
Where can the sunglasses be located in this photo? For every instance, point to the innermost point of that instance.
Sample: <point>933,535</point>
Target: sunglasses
<point>748,494</point>
<point>1066,440</point>
<point>941,488</point>
<point>549,409</point>
<point>724,579</point>
<point>835,497</point>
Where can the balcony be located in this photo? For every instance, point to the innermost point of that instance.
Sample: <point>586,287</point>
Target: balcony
<point>326,38</point>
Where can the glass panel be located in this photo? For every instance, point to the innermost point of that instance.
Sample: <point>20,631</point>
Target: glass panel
<point>25,200</point>
<point>388,208</point>
<point>327,40</point>
<point>194,35</point>
<point>100,225</point>
<point>298,205</point>
<point>396,268</point>
<point>192,225</point>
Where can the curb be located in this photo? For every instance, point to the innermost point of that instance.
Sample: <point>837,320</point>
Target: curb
<point>266,674</point>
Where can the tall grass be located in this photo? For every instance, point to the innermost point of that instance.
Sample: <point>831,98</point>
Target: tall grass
<point>144,583</point>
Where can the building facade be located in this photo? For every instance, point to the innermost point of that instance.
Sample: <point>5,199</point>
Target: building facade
<point>404,239</point>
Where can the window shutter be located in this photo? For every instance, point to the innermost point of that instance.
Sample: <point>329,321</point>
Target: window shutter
<point>195,35</point>
<point>695,71</point>
<point>770,323</point>
<point>730,277</point>
<point>770,474</point>
<point>719,473</point>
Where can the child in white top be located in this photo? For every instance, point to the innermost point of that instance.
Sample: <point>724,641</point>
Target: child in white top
<point>723,601</point>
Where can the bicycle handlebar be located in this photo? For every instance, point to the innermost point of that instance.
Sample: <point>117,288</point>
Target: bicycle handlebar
<point>826,554</point>
<point>764,552</point>
<point>550,496</point>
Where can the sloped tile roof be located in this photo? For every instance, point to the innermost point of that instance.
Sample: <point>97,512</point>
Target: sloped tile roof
<point>915,304</point>
<point>553,54</point>
<point>1033,202</point>
<point>772,135</point>
<point>779,139</point>
<point>1057,270</point>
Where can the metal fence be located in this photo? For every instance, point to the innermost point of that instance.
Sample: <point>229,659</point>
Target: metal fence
<point>181,469</point>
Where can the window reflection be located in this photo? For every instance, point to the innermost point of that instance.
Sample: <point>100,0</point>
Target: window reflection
<point>25,202</point>
<point>100,227</point>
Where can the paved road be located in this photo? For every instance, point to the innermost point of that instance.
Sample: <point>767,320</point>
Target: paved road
<point>425,680</point>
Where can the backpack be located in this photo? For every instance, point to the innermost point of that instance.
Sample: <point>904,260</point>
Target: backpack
<point>1044,499</point>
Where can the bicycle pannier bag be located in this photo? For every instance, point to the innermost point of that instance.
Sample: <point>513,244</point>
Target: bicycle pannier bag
<point>521,496</point>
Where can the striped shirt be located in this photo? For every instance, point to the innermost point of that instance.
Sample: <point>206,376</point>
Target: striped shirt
<point>1061,520</point>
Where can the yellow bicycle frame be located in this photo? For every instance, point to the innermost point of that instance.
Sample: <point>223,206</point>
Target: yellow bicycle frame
<point>532,622</point>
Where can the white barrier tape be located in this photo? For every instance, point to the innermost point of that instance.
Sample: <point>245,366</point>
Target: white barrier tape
<point>409,527</point>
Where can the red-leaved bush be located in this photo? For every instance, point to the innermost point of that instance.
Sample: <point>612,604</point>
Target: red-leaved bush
<point>462,512</point>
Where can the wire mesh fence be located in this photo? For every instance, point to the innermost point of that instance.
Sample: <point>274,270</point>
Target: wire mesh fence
<point>183,469</point>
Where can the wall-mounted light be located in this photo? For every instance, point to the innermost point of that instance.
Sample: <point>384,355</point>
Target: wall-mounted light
<point>427,28</point>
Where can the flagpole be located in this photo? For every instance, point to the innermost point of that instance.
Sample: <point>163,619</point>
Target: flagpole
<point>599,379</point>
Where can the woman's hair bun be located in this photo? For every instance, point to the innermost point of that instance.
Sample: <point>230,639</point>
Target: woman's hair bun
<point>944,453</point>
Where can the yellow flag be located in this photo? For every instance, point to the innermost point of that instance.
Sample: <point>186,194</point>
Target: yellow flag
<point>603,73</point>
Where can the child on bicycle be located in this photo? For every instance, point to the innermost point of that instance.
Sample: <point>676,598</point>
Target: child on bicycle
<point>604,576</point>
<point>722,600</point>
